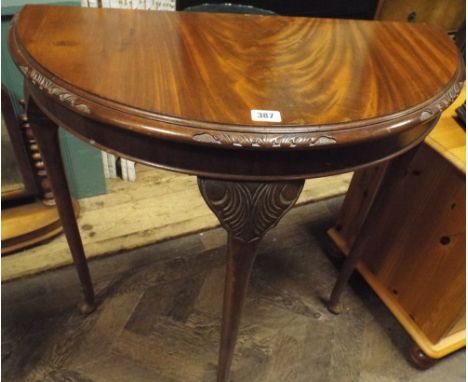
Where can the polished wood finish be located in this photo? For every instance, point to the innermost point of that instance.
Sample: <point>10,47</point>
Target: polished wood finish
<point>201,78</point>
<point>393,173</point>
<point>453,341</point>
<point>36,183</point>
<point>420,272</point>
<point>247,211</point>
<point>29,224</point>
<point>204,96</point>
<point>449,14</point>
<point>241,257</point>
<point>448,138</point>
<point>25,220</point>
<point>46,133</point>
<point>40,172</point>
<point>182,100</point>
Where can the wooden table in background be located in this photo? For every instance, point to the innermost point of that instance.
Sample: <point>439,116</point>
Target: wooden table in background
<point>251,105</point>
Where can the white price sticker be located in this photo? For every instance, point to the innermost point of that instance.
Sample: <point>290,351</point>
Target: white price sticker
<point>266,115</point>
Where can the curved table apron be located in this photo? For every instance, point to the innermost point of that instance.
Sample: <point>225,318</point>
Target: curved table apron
<point>249,174</point>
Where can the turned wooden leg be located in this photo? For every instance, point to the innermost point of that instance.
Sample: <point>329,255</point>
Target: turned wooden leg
<point>396,170</point>
<point>46,135</point>
<point>246,210</point>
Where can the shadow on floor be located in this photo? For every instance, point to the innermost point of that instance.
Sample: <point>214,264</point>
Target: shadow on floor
<point>159,312</point>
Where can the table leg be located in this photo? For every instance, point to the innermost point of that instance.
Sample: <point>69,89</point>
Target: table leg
<point>247,210</point>
<point>46,134</point>
<point>396,170</point>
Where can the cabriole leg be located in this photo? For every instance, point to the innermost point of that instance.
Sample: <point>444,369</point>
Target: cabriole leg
<point>247,210</point>
<point>46,135</point>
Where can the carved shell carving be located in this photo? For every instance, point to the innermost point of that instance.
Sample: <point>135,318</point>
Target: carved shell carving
<point>63,95</point>
<point>248,209</point>
<point>265,141</point>
<point>443,103</point>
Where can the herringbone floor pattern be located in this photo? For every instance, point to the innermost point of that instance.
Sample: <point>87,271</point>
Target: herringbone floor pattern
<point>159,313</point>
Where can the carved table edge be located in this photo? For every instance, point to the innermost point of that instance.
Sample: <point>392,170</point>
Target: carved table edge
<point>53,89</point>
<point>229,135</point>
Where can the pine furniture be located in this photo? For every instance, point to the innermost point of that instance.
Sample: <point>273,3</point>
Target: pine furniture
<point>420,273</point>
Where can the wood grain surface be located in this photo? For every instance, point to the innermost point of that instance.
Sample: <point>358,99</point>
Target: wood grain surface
<point>27,225</point>
<point>350,93</point>
<point>210,70</point>
<point>177,91</point>
<point>449,14</point>
<point>420,273</point>
<point>448,138</point>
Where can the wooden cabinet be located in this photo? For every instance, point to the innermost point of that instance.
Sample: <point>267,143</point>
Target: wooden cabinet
<point>415,259</point>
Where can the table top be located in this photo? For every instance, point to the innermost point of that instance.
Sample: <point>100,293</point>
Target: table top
<point>197,77</point>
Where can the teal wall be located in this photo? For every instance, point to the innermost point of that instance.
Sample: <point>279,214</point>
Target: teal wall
<point>82,162</point>
<point>9,5</point>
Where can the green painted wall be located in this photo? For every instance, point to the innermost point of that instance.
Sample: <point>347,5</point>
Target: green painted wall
<point>83,162</point>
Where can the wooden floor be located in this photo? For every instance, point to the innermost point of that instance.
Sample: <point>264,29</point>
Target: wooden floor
<point>160,205</point>
<point>159,311</point>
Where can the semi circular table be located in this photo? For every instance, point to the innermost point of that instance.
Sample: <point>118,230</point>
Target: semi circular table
<point>252,105</point>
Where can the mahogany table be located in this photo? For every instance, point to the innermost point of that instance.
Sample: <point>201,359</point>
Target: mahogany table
<point>251,105</point>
